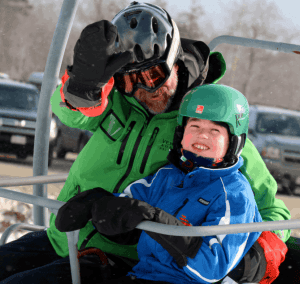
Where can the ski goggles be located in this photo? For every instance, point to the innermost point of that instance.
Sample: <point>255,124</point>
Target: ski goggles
<point>149,78</point>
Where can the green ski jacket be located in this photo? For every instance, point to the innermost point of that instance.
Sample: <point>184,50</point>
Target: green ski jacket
<point>126,146</point>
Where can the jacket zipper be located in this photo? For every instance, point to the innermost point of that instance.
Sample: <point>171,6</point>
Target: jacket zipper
<point>124,142</point>
<point>148,149</point>
<point>184,202</point>
<point>116,189</point>
<point>136,146</point>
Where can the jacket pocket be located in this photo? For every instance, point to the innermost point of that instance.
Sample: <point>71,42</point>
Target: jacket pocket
<point>112,126</point>
<point>178,209</point>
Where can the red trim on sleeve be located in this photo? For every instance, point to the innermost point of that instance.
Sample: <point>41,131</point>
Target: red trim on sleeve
<point>90,111</point>
<point>275,251</point>
<point>98,110</point>
<point>64,78</point>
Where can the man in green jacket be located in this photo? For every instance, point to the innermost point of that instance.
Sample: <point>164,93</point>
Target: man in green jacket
<point>126,83</point>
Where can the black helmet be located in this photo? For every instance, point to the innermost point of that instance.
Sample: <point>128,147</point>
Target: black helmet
<point>151,35</point>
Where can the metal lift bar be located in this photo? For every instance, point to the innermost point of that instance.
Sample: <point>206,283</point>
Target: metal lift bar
<point>248,42</point>
<point>33,180</point>
<point>19,226</point>
<point>54,205</point>
<point>53,64</point>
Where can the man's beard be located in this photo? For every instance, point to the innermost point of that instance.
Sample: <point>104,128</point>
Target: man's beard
<point>161,106</point>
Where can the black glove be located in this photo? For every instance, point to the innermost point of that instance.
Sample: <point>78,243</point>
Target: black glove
<point>116,215</point>
<point>179,247</point>
<point>77,211</point>
<point>94,63</point>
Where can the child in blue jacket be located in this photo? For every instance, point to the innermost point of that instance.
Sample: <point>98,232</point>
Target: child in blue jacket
<point>201,187</point>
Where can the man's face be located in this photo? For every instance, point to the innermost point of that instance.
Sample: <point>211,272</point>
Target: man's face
<point>205,138</point>
<point>160,100</point>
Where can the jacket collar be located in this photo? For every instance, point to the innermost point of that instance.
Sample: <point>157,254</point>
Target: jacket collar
<point>174,158</point>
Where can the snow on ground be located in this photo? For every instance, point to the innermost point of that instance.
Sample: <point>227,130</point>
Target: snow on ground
<point>12,212</point>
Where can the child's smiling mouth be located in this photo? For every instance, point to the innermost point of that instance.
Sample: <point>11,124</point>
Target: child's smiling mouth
<point>200,147</point>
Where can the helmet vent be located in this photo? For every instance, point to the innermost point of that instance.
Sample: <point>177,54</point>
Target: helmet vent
<point>138,53</point>
<point>133,23</point>
<point>169,40</point>
<point>156,50</point>
<point>154,25</point>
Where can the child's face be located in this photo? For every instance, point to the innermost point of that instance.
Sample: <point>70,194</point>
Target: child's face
<point>205,138</point>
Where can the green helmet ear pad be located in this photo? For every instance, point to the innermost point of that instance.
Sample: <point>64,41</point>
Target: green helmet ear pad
<point>217,103</point>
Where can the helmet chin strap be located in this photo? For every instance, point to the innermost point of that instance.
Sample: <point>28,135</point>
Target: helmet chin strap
<point>190,160</point>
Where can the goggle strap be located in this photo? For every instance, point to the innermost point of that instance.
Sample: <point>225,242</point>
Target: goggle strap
<point>174,47</point>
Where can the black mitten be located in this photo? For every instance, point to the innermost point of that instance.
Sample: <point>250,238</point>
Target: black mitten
<point>95,62</point>
<point>77,211</point>
<point>116,215</point>
<point>178,247</point>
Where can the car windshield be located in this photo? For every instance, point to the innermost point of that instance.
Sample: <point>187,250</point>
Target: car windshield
<point>280,124</point>
<point>18,97</point>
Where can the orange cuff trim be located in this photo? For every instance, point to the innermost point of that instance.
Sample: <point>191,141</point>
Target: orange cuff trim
<point>275,251</point>
<point>95,110</point>
<point>98,110</point>
<point>64,78</point>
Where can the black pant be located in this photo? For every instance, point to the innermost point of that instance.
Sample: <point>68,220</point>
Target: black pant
<point>31,259</point>
<point>131,280</point>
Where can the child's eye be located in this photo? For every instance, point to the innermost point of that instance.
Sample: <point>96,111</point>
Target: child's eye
<point>215,130</point>
<point>195,126</point>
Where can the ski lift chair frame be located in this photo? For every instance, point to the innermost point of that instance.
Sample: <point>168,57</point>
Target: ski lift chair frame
<point>40,179</point>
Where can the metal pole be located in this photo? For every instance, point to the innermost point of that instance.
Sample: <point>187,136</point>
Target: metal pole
<point>163,228</point>
<point>248,42</point>
<point>73,252</point>
<point>204,231</point>
<point>16,227</point>
<point>41,141</point>
<point>33,180</point>
<point>31,199</point>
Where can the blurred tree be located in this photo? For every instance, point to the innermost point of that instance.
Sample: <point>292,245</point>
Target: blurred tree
<point>255,72</point>
<point>189,23</point>
<point>12,13</point>
<point>32,38</point>
<point>265,77</point>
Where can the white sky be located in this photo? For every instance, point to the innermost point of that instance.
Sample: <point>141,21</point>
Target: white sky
<point>216,10</point>
<point>289,8</point>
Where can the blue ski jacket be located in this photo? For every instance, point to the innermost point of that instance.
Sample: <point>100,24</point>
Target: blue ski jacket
<point>203,197</point>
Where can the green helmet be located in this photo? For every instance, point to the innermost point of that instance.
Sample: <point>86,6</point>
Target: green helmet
<point>217,103</point>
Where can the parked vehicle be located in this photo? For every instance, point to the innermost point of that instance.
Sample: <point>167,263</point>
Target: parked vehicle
<point>276,134</point>
<point>68,139</point>
<point>18,114</point>
<point>4,76</point>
